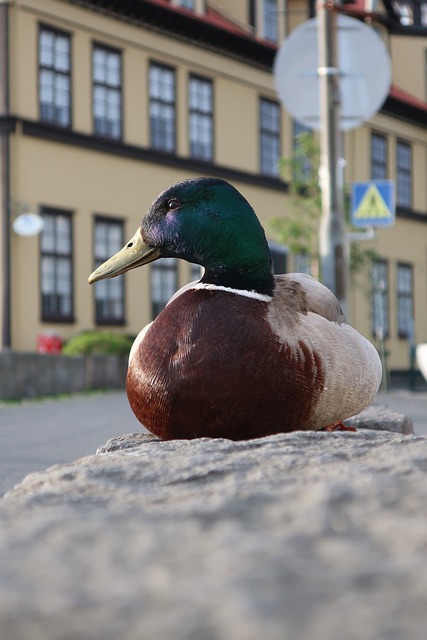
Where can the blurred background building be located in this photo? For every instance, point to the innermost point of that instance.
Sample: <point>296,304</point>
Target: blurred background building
<point>104,103</point>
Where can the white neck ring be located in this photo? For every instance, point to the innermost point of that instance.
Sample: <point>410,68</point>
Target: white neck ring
<point>262,297</point>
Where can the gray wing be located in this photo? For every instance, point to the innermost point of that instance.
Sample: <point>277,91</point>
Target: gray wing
<point>310,295</point>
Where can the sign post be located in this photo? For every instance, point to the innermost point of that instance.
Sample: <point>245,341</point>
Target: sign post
<point>326,78</point>
<point>333,246</point>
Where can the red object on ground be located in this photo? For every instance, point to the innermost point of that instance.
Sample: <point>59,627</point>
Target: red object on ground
<point>49,343</point>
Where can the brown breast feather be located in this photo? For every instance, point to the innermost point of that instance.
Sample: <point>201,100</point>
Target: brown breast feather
<point>211,366</point>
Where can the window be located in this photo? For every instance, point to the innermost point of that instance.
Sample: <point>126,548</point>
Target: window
<point>252,14</point>
<point>56,266</point>
<point>162,107</point>
<point>54,76</point>
<point>109,294</point>
<point>302,262</point>
<point>378,157</point>
<point>270,137</point>
<point>196,272</point>
<point>380,295</point>
<point>269,14</point>
<point>164,283</point>
<point>200,124</point>
<point>187,4</point>
<point>107,91</point>
<point>405,11</point>
<point>404,174</point>
<point>405,300</point>
<point>411,12</point>
<point>279,258</point>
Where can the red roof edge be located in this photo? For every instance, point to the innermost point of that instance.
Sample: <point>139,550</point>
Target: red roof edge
<point>211,16</point>
<point>216,19</point>
<point>407,98</point>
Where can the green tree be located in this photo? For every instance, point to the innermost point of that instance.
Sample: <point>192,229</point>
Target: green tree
<point>299,229</point>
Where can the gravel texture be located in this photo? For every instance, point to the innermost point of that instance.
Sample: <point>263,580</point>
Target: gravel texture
<point>291,537</point>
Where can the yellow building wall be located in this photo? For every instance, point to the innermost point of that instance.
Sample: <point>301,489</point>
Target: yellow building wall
<point>90,182</point>
<point>236,10</point>
<point>409,73</point>
<point>404,242</point>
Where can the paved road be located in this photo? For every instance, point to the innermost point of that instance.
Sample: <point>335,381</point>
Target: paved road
<point>36,435</point>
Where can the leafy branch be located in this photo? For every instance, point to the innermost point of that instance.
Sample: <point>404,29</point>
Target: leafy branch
<point>299,228</point>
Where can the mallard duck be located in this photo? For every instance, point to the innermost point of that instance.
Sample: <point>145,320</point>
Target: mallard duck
<point>241,353</point>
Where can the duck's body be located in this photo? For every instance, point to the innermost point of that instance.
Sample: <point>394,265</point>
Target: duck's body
<point>222,364</point>
<point>234,362</point>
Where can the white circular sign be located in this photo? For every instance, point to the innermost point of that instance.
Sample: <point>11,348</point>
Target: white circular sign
<point>28,224</point>
<point>421,355</point>
<point>364,66</point>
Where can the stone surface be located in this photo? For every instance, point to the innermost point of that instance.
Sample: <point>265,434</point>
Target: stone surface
<point>291,537</point>
<point>380,418</point>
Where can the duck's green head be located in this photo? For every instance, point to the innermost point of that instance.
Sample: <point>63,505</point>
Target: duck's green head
<point>205,221</point>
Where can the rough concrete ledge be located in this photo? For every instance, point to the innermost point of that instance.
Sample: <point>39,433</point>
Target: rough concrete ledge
<point>304,536</point>
<point>380,418</point>
<point>30,375</point>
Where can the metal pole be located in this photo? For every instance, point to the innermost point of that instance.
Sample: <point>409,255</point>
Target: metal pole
<point>333,243</point>
<point>380,329</point>
<point>6,258</point>
<point>5,179</point>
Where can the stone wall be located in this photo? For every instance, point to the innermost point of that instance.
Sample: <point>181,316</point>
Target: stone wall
<point>30,375</point>
<point>300,536</point>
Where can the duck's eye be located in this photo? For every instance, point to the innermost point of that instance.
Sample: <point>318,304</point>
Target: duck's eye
<point>173,204</point>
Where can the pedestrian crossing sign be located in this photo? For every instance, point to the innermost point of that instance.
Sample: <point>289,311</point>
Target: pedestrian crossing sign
<point>372,204</point>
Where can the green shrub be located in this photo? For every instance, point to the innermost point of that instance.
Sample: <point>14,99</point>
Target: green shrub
<point>98,343</point>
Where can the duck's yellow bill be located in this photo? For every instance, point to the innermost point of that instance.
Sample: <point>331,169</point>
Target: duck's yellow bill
<point>134,254</point>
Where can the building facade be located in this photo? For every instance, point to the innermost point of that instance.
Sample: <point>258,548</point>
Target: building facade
<point>103,104</point>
